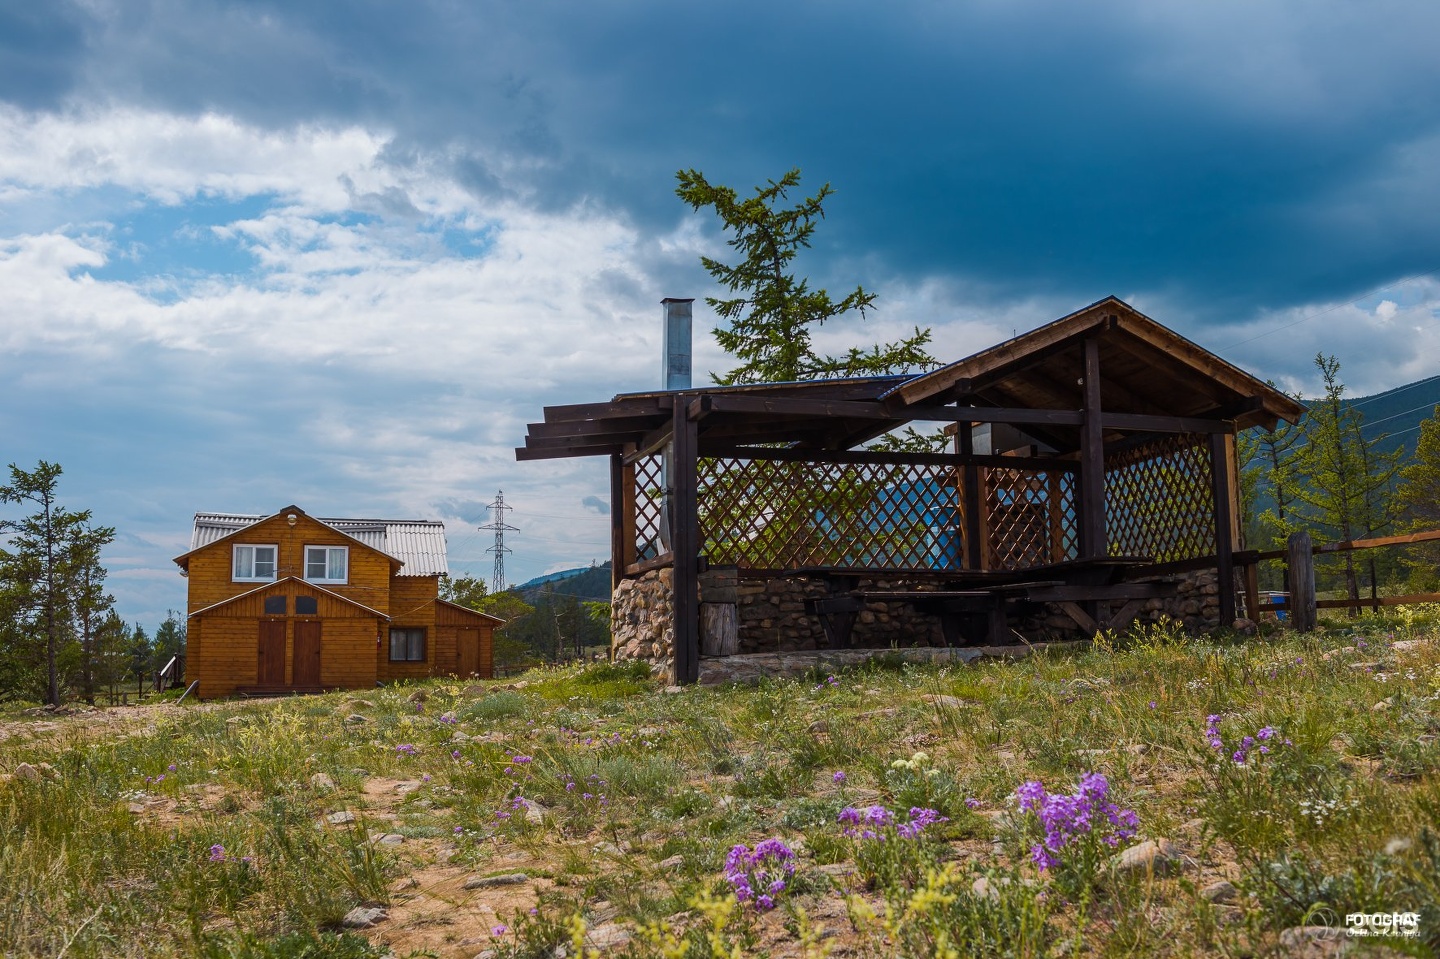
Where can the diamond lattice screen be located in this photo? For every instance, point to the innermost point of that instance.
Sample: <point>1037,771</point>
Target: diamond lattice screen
<point>1158,500</point>
<point>1031,517</point>
<point>774,514</point>
<point>649,500</point>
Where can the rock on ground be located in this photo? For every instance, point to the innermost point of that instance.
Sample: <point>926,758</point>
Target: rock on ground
<point>363,917</point>
<point>488,882</point>
<point>1157,855</point>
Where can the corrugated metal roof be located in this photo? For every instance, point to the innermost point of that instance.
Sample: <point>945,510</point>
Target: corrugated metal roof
<point>418,543</point>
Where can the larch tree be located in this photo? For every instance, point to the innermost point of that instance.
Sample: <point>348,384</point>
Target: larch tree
<point>773,314</point>
<point>1417,498</point>
<point>1342,478</point>
<point>89,605</point>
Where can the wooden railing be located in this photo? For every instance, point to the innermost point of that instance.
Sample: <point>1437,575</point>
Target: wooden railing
<point>1299,556</point>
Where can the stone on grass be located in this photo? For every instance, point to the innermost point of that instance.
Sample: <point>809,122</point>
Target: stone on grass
<point>322,781</point>
<point>355,719</point>
<point>1243,626</point>
<point>607,936</point>
<point>1298,937</point>
<point>947,702</point>
<point>1157,855</point>
<point>340,818</point>
<point>390,839</point>
<point>363,917</point>
<point>27,771</point>
<point>1381,706</point>
<point>673,863</point>
<point>1219,892</point>
<point>419,696</point>
<point>490,882</point>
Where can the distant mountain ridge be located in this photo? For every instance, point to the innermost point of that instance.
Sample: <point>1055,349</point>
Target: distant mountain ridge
<point>1399,412</point>
<point>586,582</point>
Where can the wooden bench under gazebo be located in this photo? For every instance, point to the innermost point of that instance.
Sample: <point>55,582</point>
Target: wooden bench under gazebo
<point>1091,478</point>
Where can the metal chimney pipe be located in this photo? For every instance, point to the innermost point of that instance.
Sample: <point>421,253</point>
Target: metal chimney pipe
<point>675,374</point>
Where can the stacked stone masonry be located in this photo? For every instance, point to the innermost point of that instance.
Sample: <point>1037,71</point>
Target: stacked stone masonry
<point>772,616</point>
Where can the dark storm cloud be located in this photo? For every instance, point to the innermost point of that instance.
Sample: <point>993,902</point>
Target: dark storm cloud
<point>40,47</point>
<point>1229,157</point>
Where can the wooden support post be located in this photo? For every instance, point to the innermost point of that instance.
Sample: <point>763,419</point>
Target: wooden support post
<point>1224,526</point>
<point>1093,542</point>
<point>620,520</point>
<point>1251,576</point>
<point>684,543</point>
<point>974,504</point>
<point>1300,564</point>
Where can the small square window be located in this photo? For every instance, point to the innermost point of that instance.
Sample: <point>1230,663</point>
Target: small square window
<point>306,606</point>
<point>275,605</point>
<point>327,564</point>
<point>254,563</point>
<point>407,645</point>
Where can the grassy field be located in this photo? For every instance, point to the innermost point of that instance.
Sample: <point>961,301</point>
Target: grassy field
<point>1156,796</point>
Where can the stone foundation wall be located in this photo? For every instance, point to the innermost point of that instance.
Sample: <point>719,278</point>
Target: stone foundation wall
<point>772,617</point>
<point>642,619</point>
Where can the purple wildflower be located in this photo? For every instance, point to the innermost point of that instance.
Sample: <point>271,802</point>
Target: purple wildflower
<point>500,930</point>
<point>217,853</point>
<point>766,868</point>
<point>973,803</point>
<point>1066,818</point>
<point>839,777</point>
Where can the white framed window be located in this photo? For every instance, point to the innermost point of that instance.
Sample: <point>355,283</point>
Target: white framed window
<point>254,564</point>
<point>327,564</point>
<point>407,645</point>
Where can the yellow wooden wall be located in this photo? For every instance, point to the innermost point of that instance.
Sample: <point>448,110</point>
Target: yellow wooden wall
<point>412,604</point>
<point>211,567</point>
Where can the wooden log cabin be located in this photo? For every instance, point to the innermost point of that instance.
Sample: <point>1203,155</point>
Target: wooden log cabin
<point>294,603</point>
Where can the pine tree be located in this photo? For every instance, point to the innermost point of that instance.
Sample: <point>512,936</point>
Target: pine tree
<point>771,321</point>
<point>1342,478</point>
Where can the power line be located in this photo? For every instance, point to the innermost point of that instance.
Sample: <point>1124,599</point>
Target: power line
<point>1337,306</point>
<point>498,524</point>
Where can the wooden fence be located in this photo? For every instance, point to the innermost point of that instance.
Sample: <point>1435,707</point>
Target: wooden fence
<point>1299,556</point>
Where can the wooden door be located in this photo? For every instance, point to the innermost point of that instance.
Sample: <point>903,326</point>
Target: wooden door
<point>270,670</point>
<point>307,653</point>
<point>467,650</point>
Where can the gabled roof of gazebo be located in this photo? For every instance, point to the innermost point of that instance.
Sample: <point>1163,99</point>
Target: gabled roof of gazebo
<point>1147,370</point>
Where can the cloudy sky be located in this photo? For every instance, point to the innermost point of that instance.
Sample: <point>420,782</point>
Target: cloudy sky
<point>338,254</point>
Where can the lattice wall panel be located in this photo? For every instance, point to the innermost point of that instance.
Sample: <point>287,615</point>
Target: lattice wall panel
<point>1030,516</point>
<point>770,514</point>
<point>1159,502</point>
<point>649,502</point>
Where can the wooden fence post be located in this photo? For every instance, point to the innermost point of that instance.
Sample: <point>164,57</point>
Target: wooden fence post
<point>1300,564</point>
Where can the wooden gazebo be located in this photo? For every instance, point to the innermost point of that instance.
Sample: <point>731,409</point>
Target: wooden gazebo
<point>1090,458</point>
